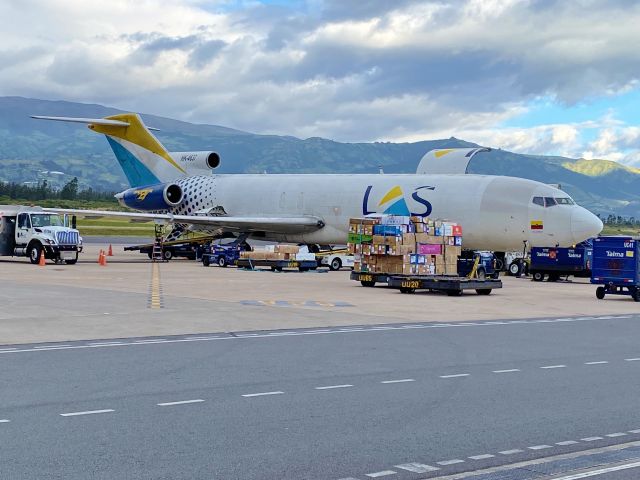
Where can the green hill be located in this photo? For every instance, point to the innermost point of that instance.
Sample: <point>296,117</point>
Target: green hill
<point>31,150</point>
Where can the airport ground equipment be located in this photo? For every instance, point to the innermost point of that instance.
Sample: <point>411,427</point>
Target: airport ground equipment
<point>335,259</point>
<point>31,232</point>
<point>486,264</point>
<point>221,255</point>
<point>173,249</point>
<point>277,265</point>
<point>616,266</point>
<point>452,286</point>
<point>555,262</point>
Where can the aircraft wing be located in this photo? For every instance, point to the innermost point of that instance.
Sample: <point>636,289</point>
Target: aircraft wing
<point>299,224</point>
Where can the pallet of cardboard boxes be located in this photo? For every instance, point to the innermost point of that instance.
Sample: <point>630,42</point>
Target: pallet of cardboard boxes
<point>404,245</point>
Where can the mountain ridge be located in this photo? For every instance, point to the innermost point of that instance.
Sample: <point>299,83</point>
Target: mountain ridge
<point>29,147</point>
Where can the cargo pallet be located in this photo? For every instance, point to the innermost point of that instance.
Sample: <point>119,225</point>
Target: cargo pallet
<point>277,265</point>
<point>368,279</point>
<point>451,285</point>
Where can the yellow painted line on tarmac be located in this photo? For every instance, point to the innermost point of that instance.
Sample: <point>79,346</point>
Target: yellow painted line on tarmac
<point>155,289</point>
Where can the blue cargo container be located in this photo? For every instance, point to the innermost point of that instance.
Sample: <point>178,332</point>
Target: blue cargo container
<point>556,261</point>
<point>616,266</point>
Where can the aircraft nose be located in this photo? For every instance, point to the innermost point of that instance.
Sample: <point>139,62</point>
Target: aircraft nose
<point>584,224</point>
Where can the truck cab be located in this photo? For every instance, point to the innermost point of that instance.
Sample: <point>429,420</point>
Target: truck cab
<point>32,232</point>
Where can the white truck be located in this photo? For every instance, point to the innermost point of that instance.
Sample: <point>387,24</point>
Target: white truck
<point>32,232</point>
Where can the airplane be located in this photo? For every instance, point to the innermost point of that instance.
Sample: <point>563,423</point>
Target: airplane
<point>496,213</point>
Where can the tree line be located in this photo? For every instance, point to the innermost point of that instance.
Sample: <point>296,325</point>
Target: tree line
<point>43,191</point>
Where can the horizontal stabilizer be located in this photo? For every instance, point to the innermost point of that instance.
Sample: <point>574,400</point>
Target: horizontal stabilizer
<point>95,121</point>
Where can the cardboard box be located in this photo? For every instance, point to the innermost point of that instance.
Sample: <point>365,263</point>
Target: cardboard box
<point>406,249</point>
<point>395,220</point>
<point>409,238</point>
<point>379,239</point>
<point>429,249</point>
<point>427,238</point>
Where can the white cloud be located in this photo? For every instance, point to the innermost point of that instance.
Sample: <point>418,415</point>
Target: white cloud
<point>404,70</point>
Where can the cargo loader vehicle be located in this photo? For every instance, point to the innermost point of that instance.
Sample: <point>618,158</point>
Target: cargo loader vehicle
<point>31,232</point>
<point>554,262</point>
<point>616,266</point>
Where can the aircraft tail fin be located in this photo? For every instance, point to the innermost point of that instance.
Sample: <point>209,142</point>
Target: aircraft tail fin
<point>142,157</point>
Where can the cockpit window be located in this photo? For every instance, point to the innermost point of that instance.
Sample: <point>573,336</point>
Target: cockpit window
<point>538,201</point>
<point>564,201</point>
<point>549,201</point>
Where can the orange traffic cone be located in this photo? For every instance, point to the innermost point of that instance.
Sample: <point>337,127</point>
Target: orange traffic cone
<point>104,259</point>
<point>41,262</point>
<point>110,254</point>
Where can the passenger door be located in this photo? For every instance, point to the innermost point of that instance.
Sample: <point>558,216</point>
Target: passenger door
<point>22,228</point>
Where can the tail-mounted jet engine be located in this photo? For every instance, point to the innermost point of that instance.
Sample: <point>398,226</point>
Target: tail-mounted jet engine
<point>197,160</point>
<point>161,196</point>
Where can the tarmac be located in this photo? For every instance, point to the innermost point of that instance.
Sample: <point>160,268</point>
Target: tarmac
<point>127,297</point>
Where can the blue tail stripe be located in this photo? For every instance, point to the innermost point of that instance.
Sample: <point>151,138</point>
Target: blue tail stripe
<point>137,173</point>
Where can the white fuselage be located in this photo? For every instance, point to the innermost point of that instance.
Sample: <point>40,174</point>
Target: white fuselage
<point>496,213</point>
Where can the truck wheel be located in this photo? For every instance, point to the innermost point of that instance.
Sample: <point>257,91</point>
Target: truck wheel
<point>600,292</point>
<point>336,264</point>
<point>205,260</point>
<point>167,255</point>
<point>483,291</point>
<point>515,268</point>
<point>538,277</point>
<point>636,295</point>
<point>35,250</point>
<point>222,262</point>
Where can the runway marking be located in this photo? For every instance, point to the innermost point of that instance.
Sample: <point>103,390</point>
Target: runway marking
<point>591,439</point>
<point>614,435</point>
<point>632,359</point>
<point>601,362</point>
<point>4,421</point>
<point>155,288</point>
<point>567,442</point>
<point>417,467</point>
<point>40,347</point>
<point>600,471</point>
<point>262,394</point>
<point>186,339</point>
<point>481,457</point>
<point>444,463</point>
<point>455,375</point>
<point>105,344</point>
<point>539,447</point>
<point>511,452</point>
<point>553,366</point>
<point>402,380</point>
<point>151,340</point>
<point>507,371</point>
<point>634,431</point>
<point>383,473</point>
<point>180,402</point>
<point>330,387</point>
<point>88,412</point>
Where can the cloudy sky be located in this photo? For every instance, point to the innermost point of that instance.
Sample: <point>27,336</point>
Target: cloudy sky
<point>538,76</point>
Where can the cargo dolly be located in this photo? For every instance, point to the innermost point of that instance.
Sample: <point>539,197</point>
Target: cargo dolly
<point>277,265</point>
<point>616,266</point>
<point>369,279</point>
<point>451,285</point>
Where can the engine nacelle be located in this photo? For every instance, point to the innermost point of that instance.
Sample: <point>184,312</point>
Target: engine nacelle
<point>196,160</point>
<point>161,196</point>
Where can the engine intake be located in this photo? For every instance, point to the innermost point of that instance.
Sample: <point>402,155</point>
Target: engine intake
<point>162,196</point>
<point>197,160</point>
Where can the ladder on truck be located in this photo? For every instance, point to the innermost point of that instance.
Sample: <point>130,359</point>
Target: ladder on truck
<point>157,250</point>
